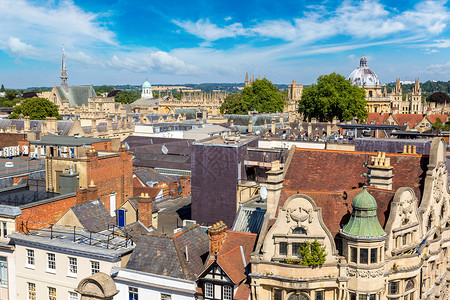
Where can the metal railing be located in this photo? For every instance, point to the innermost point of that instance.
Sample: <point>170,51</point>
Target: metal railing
<point>80,235</point>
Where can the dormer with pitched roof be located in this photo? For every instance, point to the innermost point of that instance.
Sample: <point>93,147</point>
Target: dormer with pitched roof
<point>225,276</point>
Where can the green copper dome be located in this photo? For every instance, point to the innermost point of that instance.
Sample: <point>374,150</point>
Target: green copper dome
<point>364,221</point>
<point>146,84</point>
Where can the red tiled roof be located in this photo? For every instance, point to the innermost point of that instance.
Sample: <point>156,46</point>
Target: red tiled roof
<point>243,292</point>
<point>137,182</point>
<point>333,178</point>
<point>433,118</point>
<point>377,118</point>
<point>408,119</point>
<point>229,257</point>
<point>152,191</point>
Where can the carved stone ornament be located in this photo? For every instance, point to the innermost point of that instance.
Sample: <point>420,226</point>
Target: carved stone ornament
<point>299,215</point>
<point>438,188</point>
<point>364,273</point>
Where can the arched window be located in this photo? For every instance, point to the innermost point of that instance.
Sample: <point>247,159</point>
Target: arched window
<point>299,230</point>
<point>298,297</point>
<point>442,211</point>
<point>409,285</point>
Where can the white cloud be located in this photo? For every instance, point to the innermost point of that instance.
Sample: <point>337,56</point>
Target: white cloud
<point>439,69</point>
<point>367,19</point>
<point>48,26</point>
<point>18,48</point>
<point>159,61</point>
<point>210,32</point>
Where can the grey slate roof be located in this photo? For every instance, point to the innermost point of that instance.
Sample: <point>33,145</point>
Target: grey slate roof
<point>77,95</point>
<point>93,216</point>
<point>147,101</point>
<point>157,255</point>
<point>10,211</point>
<point>197,242</point>
<point>150,175</point>
<point>167,255</point>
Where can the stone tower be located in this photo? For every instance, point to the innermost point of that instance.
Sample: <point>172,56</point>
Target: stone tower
<point>416,99</point>
<point>396,97</point>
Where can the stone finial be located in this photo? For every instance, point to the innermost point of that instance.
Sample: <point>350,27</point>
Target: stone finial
<point>92,183</point>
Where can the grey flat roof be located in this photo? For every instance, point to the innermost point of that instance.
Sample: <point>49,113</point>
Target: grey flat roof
<point>86,243</point>
<point>66,140</point>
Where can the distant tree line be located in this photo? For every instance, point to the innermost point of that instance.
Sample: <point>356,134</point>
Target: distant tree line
<point>428,87</point>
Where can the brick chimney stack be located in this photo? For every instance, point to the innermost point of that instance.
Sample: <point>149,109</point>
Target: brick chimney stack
<point>217,234</point>
<point>145,210</point>
<point>92,190</point>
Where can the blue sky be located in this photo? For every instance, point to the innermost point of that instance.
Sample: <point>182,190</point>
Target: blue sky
<point>125,41</point>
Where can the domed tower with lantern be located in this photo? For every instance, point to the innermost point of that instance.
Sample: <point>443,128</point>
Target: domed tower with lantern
<point>365,78</point>
<point>363,246</point>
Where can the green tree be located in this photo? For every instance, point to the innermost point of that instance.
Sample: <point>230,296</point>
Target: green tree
<point>262,96</point>
<point>126,97</point>
<point>333,96</point>
<point>36,109</point>
<point>312,254</point>
<point>2,89</point>
<point>11,94</point>
<point>234,104</point>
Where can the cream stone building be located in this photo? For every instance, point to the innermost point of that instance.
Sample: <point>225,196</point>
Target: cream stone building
<point>379,100</point>
<point>388,240</point>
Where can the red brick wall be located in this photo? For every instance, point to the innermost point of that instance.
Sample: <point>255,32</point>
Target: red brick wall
<point>112,173</point>
<point>185,182</point>
<point>11,139</point>
<point>103,146</point>
<point>40,216</point>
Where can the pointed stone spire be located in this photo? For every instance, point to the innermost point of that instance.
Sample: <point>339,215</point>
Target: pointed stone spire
<point>64,76</point>
<point>247,82</point>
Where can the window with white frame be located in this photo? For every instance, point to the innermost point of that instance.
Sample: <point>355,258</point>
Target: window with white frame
<point>227,292</point>
<point>133,293</point>
<point>3,271</point>
<point>73,267</point>
<point>31,291</point>
<point>95,267</point>
<point>51,293</point>
<point>209,290</point>
<point>51,261</point>
<point>73,296</point>
<point>30,257</point>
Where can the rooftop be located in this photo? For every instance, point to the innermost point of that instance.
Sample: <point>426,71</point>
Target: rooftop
<point>66,140</point>
<point>105,244</point>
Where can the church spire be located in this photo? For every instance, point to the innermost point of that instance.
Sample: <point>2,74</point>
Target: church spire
<point>64,76</point>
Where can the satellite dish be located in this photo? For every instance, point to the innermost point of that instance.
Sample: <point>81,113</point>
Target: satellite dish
<point>164,149</point>
<point>263,193</point>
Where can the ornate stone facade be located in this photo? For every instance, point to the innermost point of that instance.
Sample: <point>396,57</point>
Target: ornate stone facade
<point>409,261</point>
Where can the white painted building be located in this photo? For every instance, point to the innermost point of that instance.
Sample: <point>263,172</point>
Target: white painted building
<point>134,284</point>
